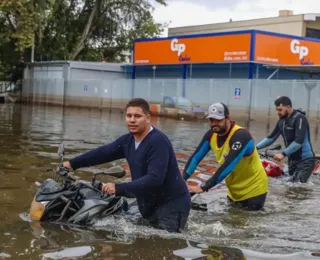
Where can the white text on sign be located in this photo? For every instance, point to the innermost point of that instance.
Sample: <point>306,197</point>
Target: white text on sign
<point>178,47</point>
<point>296,48</point>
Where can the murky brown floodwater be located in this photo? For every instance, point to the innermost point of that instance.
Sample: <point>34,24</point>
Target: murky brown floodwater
<point>29,139</point>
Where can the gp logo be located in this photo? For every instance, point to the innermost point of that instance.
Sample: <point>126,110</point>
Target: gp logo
<point>178,47</point>
<point>296,48</point>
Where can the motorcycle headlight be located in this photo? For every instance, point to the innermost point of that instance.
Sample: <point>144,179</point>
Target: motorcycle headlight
<point>36,210</point>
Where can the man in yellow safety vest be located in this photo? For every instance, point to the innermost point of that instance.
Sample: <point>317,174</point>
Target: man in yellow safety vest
<point>240,164</point>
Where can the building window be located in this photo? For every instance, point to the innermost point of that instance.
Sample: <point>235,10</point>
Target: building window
<point>313,33</point>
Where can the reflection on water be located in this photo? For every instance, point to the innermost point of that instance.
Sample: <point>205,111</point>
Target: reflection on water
<point>30,136</point>
<point>65,242</point>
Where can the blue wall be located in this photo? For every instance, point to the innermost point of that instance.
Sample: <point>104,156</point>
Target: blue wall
<point>262,72</point>
<point>161,71</point>
<point>216,71</point>
<point>194,71</point>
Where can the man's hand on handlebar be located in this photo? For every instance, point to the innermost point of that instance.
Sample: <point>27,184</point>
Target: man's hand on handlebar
<point>278,157</point>
<point>67,165</point>
<point>62,170</point>
<point>109,188</point>
<point>65,172</point>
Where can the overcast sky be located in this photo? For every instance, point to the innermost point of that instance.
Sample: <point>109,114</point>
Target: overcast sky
<point>196,12</point>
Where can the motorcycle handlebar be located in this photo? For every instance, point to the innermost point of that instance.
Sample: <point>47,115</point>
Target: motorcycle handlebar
<point>97,185</point>
<point>267,155</point>
<point>64,172</point>
<point>270,152</point>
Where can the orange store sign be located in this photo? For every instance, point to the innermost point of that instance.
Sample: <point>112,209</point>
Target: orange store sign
<point>286,51</point>
<point>205,49</point>
<point>269,48</point>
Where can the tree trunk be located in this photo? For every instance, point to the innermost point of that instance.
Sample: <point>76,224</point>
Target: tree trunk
<point>11,23</point>
<point>85,33</point>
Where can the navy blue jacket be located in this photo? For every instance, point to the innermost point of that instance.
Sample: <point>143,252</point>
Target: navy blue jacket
<point>156,178</point>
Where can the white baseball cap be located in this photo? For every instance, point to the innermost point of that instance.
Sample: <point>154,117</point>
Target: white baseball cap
<point>218,111</point>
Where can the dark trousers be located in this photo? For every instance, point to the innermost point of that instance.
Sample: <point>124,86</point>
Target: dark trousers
<point>173,215</point>
<point>301,170</point>
<point>254,203</point>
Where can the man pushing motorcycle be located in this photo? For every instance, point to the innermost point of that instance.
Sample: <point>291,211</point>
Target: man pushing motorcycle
<point>162,195</point>
<point>240,164</point>
<point>294,128</point>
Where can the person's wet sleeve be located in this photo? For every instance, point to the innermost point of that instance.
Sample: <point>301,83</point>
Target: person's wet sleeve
<point>158,160</point>
<point>103,154</point>
<point>300,126</point>
<point>269,139</point>
<point>241,144</point>
<point>201,151</point>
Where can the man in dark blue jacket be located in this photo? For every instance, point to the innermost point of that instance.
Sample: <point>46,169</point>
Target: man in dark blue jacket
<point>162,194</point>
<point>294,128</point>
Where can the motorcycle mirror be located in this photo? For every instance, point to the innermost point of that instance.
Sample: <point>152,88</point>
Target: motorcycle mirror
<point>61,150</point>
<point>115,171</point>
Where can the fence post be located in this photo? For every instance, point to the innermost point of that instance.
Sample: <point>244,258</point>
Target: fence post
<point>162,92</point>
<point>100,95</point>
<point>149,89</point>
<point>183,87</point>
<point>317,98</point>
<point>184,76</point>
<point>211,89</point>
<point>309,86</point>
<point>31,82</point>
<point>292,90</point>
<point>228,93</point>
<point>178,88</point>
<point>254,95</point>
<point>47,87</point>
<point>35,88</point>
<point>133,82</point>
<point>111,96</point>
<point>269,98</point>
<point>250,99</point>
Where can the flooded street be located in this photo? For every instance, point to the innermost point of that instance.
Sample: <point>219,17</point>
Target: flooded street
<point>29,140</point>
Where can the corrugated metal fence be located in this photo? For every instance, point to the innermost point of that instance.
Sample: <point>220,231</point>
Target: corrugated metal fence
<point>254,98</point>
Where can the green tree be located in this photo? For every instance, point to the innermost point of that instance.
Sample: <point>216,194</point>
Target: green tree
<point>19,22</point>
<point>93,30</point>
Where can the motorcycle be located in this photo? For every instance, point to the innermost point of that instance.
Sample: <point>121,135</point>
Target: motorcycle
<point>276,169</point>
<point>272,168</point>
<point>75,201</point>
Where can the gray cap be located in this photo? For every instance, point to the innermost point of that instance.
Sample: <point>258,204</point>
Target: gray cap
<point>217,111</point>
